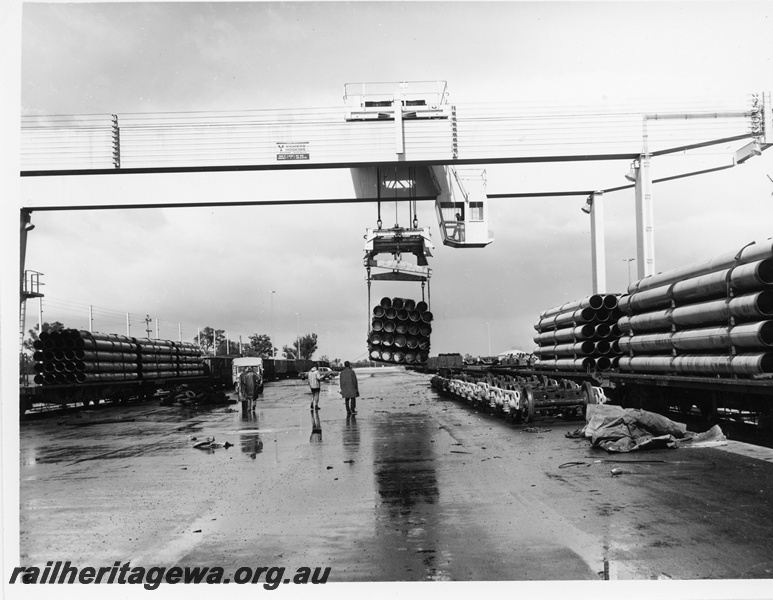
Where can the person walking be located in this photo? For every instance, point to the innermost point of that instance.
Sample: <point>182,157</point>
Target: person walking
<point>349,389</point>
<point>249,381</point>
<point>314,382</point>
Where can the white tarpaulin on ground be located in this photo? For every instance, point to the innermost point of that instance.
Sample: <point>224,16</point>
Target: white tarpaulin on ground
<point>618,429</point>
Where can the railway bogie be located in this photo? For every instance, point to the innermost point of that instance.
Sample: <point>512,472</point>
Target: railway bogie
<point>517,397</point>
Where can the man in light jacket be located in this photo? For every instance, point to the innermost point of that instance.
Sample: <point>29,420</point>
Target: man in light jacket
<point>314,382</point>
<point>349,390</point>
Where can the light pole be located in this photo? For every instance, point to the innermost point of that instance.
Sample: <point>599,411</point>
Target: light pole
<point>628,260</point>
<point>298,354</point>
<point>273,350</point>
<point>488,326</point>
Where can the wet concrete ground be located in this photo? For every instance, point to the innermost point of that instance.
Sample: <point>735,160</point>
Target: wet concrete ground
<point>412,488</point>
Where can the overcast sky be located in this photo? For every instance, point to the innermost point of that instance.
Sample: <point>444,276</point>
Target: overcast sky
<point>216,266</point>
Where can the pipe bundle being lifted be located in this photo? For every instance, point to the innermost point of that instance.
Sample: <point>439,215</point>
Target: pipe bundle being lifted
<point>719,312</point>
<point>580,335</point>
<point>400,331</point>
<point>73,356</point>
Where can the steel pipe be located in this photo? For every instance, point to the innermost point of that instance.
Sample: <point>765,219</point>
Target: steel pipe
<point>745,278</point>
<point>756,251</point>
<point>386,302</point>
<point>757,306</point>
<point>97,356</point>
<point>584,348</point>
<point>378,312</point>
<point>570,334</point>
<point>575,364</point>
<point>594,301</point>
<point>87,367</point>
<point>758,363</point>
<point>559,321</point>
<point>611,301</point>
<point>757,335</point>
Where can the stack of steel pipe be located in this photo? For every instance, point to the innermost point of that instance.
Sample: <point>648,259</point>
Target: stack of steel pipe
<point>72,356</point>
<point>400,331</point>
<point>711,318</point>
<point>579,336</point>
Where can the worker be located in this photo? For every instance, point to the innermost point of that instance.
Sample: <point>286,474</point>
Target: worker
<point>249,381</point>
<point>315,379</point>
<point>349,389</point>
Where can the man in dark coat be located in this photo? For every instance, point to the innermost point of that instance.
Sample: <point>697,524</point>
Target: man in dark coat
<point>349,389</point>
<point>249,381</point>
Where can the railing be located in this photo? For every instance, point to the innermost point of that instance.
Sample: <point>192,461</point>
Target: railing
<point>303,138</point>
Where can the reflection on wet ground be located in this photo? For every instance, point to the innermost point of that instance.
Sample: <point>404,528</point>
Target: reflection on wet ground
<point>316,428</point>
<point>407,517</point>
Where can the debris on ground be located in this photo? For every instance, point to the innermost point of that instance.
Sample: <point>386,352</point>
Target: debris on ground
<point>209,443</point>
<point>188,394</point>
<point>537,430</point>
<point>618,429</point>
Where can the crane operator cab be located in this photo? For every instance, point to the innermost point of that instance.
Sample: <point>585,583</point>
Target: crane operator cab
<point>461,206</point>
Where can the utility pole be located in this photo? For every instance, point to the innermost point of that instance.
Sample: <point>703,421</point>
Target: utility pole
<point>271,295</point>
<point>148,330</point>
<point>298,316</point>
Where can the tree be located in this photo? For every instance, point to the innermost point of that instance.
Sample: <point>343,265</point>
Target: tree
<point>308,347</point>
<point>210,339</point>
<point>260,345</point>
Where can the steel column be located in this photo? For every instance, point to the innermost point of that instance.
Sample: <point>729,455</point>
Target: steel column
<point>598,252</point>
<point>645,237</point>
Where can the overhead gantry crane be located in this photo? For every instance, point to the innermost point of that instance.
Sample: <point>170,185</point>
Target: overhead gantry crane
<point>401,141</point>
<point>460,203</point>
